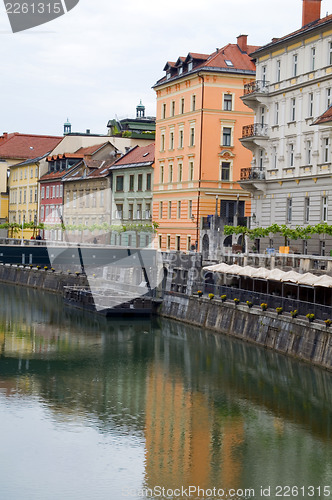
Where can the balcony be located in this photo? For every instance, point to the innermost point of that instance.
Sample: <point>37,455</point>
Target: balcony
<point>252,174</point>
<point>254,135</point>
<point>216,222</point>
<point>256,93</point>
<point>259,86</point>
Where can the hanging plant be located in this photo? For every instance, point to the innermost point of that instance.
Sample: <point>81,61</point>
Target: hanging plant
<point>211,296</point>
<point>263,306</point>
<point>223,297</point>
<point>294,313</point>
<point>328,322</point>
<point>279,310</point>
<point>249,304</point>
<point>199,293</point>
<point>236,301</point>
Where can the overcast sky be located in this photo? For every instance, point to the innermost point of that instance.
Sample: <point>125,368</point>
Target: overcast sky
<point>103,56</point>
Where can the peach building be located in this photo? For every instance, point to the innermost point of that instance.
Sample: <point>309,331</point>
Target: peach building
<point>199,157</point>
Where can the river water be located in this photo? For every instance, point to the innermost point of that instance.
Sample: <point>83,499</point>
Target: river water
<point>108,409</point>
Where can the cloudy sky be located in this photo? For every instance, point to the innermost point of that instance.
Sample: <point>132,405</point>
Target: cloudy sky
<point>97,61</point>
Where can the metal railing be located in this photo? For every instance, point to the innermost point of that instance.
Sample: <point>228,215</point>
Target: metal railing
<point>252,173</point>
<point>254,130</point>
<point>260,86</point>
<point>320,311</point>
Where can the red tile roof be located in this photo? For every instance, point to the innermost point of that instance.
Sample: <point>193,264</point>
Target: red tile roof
<point>237,60</point>
<point>26,146</point>
<point>80,153</point>
<point>324,118</point>
<point>138,154</point>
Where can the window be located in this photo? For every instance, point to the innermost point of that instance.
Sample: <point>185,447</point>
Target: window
<point>260,159</point>
<point>25,173</point>
<point>311,104</point>
<point>225,171</point>
<point>179,210</point>
<point>324,209</point>
<point>168,242</point>
<point>119,211</point>
<point>289,209</point>
<point>162,142</point>
<point>42,192</point>
<point>57,191</point>
<point>148,211</point>
<point>160,240</point>
<point>170,173</point>
<point>161,174</point>
<point>61,191</point>
<point>140,182</point>
<point>278,75</point>
<point>306,209</point>
<point>178,243</point>
<point>192,136</point>
<point>226,136</point>
<point>74,198</point>
<point>190,209</point>
<point>180,172</point>
<point>313,58</point>
<point>36,172</point>
<point>172,108</point>
<point>169,209</point>
<point>309,151</point>
<point>295,61</point>
<point>101,198</point>
<point>36,195</point>
<point>163,110</point>
<point>328,98</point>
<point>53,191</point>
<point>119,183</point>
<point>148,182</point>
<point>291,155</point>
<point>171,140</point>
<point>191,170</point>
<point>264,75</point>
<point>47,192</point>
<point>293,109</point>
<point>130,211</point>
<point>262,113</point>
<point>193,102</point>
<point>181,139</point>
<point>330,53</point>
<point>31,173</point>
<point>131,182</point>
<point>30,195</point>
<point>275,157</point>
<point>182,106</point>
<point>228,101</point>
<point>42,213</point>
<point>160,210</point>
<point>326,153</point>
<point>24,196</point>
<point>276,113</point>
<point>190,65</point>
<point>139,211</point>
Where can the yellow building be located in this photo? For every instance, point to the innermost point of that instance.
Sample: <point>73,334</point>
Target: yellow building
<point>21,159</point>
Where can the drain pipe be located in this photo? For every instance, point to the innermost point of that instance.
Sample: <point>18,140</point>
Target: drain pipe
<point>200,164</point>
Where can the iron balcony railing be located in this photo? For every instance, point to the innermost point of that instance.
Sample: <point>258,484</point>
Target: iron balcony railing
<point>215,222</point>
<point>254,130</point>
<point>252,173</point>
<point>260,86</point>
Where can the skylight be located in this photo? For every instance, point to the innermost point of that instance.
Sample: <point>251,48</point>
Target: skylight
<point>228,62</point>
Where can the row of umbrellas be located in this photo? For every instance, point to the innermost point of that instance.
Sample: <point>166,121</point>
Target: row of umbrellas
<point>274,274</point>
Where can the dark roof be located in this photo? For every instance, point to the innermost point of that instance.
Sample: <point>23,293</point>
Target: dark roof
<point>305,29</point>
<point>137,155</point>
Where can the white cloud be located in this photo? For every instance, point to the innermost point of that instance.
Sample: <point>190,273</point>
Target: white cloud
<point>102,57</point>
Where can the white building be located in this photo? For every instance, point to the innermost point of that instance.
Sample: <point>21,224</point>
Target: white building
<point>291,174</point>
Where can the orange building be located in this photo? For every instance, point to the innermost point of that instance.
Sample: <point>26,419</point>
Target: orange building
<point>200,116</point>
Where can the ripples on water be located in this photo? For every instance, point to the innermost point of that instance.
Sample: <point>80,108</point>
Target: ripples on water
<point>94,408</point>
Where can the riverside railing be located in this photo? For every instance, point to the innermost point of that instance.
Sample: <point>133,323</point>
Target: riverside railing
<point>273,301</point>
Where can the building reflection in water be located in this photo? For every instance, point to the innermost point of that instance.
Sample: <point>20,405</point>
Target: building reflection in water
<point>210,411</point>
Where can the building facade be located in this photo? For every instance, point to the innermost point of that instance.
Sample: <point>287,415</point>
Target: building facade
<point>200,116</point>
<point>290,175</point>
<point>132,181</point>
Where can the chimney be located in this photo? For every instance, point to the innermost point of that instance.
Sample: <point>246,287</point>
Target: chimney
<point>310,11</point>
<point>242,41</point>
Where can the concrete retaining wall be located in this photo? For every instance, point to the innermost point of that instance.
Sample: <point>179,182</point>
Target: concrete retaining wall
<point>44,280</point>
<point>310,342</point>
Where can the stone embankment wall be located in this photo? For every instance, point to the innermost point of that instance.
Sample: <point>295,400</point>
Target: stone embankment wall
<point>39,278</point>
<point>296,337</point>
